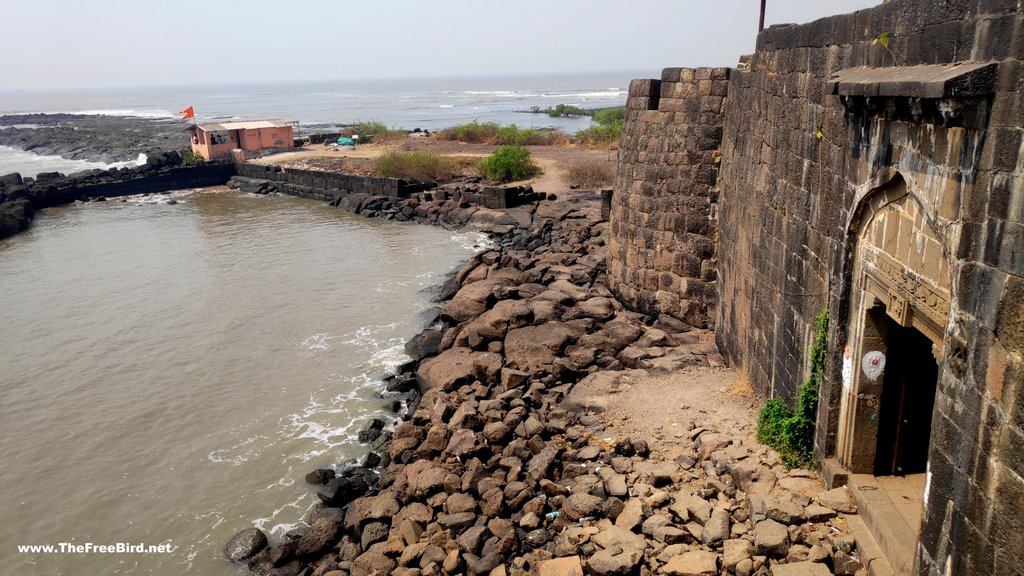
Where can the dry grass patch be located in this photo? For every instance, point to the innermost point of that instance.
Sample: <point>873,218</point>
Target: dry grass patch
<point>590,174</point>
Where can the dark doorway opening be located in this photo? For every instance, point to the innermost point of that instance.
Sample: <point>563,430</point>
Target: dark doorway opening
<point>908,395</point>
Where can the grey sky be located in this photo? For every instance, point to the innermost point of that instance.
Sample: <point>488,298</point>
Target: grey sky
<point>72,44</point>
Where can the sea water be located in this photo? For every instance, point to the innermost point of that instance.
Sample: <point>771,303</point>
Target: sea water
<point>172,366</point>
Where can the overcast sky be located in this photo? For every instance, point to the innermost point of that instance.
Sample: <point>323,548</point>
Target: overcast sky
<point>77,44</point>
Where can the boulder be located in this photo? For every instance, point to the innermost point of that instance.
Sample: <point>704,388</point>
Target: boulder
<point>582,505</point>
<point>569,566</point>
<point>322,534</point>
<point>735,551</point>
<point>426,343</point>
<point>535,347</point>
<point>456,367</point>
<point>418,480</point>
<point>716,529</point>
<point>800,569</point>
<point>838,499</point>
<point>613,336</point>
<point>599,308</point>
<point>495,323</point>
<point>342,490</point>
<point>245,544</point>
<point>373,561</point>
<point>693,563</point>
<point>771,538</point>
<point>474,299</point>
<point>608,562</point>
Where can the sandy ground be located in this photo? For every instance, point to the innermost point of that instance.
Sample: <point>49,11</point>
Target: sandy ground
<point>554,160</point>
<point>665,408</point>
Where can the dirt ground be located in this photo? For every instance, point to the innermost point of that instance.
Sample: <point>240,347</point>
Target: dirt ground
<point>665,408</point>
<point>554,160</point>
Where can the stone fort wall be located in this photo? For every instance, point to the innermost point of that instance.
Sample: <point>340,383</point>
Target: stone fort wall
<point>663,210</point>
<point>812,169</point>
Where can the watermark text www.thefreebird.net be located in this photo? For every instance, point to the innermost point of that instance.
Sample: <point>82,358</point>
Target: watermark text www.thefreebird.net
<point>90,548</point>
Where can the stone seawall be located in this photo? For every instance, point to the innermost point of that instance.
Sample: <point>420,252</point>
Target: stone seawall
<point>390,198</point>
<point>662,256</point>
<point>21,197</point>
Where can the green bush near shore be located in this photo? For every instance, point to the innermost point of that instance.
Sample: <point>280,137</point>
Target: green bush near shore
<point>190,158</point>
<point>374,131</point>
<point>419,165</point>
<point>608,130</point>
<point>471,133</point>
<point>511,135</point>
<point>508,164</point>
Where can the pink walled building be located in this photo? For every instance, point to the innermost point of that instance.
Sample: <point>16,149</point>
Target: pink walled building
<point>252,137</point>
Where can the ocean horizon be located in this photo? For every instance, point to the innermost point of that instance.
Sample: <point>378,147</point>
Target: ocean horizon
<point>409,103</point>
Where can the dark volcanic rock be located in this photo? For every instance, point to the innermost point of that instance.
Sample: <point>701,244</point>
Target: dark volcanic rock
<point>341,491</point>
<point>93,137</point>
<point>245,544</point>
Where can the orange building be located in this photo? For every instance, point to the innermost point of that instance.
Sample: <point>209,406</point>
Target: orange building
<point>253,137</point>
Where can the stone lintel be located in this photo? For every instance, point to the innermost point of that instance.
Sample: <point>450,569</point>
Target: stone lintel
<point>956,80</point>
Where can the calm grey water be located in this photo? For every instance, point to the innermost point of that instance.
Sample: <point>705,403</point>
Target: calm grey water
<point>169,373</point>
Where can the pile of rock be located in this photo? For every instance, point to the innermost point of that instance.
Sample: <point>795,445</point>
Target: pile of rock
<point>493,472</point>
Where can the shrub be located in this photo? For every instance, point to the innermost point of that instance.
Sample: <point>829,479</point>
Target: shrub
<point>590,174</point>
<point>509,163</point>
<point>610,116</point>
<point>472,133</point>
<point>600,135</point>
<point>190,158</point>
<point>374,131</point>
<point>420,165</point>
<point>511,135</point>
<point>791,431</point>
<point>608,129</point>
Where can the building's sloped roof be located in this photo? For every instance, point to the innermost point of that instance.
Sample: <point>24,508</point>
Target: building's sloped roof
<point>245,125</point>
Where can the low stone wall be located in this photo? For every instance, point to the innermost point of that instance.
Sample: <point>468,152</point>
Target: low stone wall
<point>662,257</point>
<point>331,182</point>
<point>20,198</point>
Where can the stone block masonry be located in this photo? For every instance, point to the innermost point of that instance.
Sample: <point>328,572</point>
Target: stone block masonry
<point>883,184</point>
<point>662,257</point>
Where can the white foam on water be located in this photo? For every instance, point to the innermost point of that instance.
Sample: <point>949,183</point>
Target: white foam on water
<point>317,342</point>
<point>281,528</point>
<point>237,454</point>
<point>29,164</point>
<point>126,112</point>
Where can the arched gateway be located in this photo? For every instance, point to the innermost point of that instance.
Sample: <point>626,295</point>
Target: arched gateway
<point>898,312</point>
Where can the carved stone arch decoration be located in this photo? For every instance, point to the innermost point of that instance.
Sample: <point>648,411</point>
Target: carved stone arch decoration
<point>901,261</point>
<point>900,283</point>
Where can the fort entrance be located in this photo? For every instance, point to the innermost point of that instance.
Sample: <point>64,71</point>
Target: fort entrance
<point>898,311</point>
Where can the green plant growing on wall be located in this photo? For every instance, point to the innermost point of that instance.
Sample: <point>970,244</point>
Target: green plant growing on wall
<point>790,430</point>
<point>884,39</point>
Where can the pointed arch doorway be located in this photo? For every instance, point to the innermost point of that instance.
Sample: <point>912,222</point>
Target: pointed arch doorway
<point>899,306</point>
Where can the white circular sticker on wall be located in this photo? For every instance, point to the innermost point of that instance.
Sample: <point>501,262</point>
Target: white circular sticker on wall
<point>873,364</point>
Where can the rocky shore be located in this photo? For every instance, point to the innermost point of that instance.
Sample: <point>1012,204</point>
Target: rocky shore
<point>509,463</point>
<point>95,138</point>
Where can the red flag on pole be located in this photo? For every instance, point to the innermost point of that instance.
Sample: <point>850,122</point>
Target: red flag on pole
<point>188,113</point>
